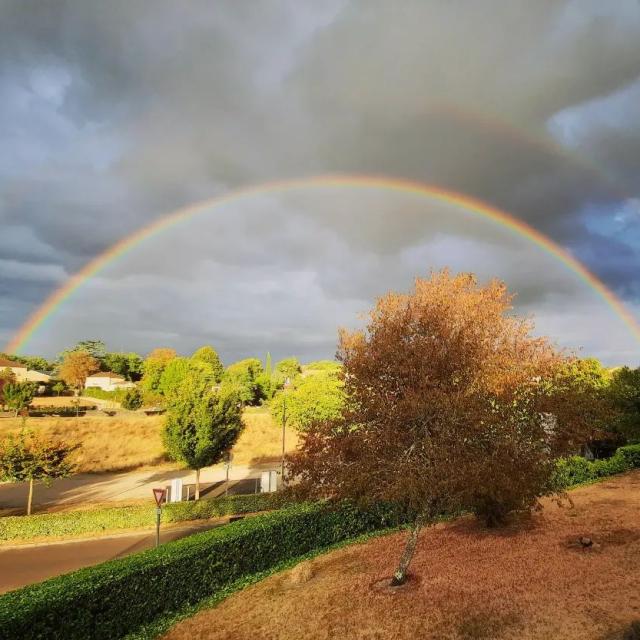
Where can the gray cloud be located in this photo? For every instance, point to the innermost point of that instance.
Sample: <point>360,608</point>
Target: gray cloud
<point>113,115</point>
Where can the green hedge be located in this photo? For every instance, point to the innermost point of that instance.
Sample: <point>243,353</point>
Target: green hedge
<point>116,598</point>
<point>576,470</point>
<point>64,411</point>
<point>73,523</point>
<point>101,394</point>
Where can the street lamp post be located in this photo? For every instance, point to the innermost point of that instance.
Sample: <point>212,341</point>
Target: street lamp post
<point>287,385</point>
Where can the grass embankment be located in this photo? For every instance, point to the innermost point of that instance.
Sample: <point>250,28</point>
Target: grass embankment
<point>70,524</point>
<point>533,580</point>
<point>118,597</point>
<point>132,440</point>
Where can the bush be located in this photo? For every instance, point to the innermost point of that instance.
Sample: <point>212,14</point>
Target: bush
<point>118,597</point>
<point>73,523</point>
<point>631,454</point>
<point>64,412</point>
<point>576,470</point>
<point>132,399</point>
<point>96,392</point>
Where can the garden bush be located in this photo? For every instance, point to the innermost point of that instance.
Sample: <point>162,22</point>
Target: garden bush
<point>63,411</point>
<point>114,599</point>
<point>96,392</point>
<point>576,470</point>
<point>74,523</point>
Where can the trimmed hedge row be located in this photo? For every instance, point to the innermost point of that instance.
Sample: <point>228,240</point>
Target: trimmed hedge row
<point>62,411</point>
<point>111,518</point>
<point>118,597</point>
<point>576,470</point>
<point>101,394</point>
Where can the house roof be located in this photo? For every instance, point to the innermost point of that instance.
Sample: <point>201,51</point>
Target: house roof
<point>4,363</point>
<point>105,374</point>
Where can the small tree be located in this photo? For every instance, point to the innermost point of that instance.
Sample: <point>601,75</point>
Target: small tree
<point>624,392</point>
<point>210,356</point>
<point>446,402</point>
<point>245,378</point>
<point>315,398</point>
<point>153,368</point>
<point>18,395</point>
<point>132,399</point>
<point>201,425</point>
<point>6,377</point>
<point>59,387</point>
<point>75,368</point>
<point>30,458</point>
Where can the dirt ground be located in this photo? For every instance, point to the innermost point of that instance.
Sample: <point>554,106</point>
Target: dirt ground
<point>531,581</point>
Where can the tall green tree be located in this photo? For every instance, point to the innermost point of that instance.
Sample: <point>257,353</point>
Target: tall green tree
<point>18,395</point>
<point>95,348</point>
<point>201,424</point>
<point>268,369</point>
<point>244,378</point>
<point>314,398</point>
<point>128,365</point>
<point>153,367</point>
<point>179,369</point>
<point>30,457</point>
<point>210,356</point>
<point>624,392</point>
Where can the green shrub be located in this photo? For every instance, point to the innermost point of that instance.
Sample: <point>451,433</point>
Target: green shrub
<point>576,470</point>
<point>132,399</point>
<point>65,412</point>
<point>74,523</point>
<point>118,597</point>
<point>631,454</point>
<point>96,392</point>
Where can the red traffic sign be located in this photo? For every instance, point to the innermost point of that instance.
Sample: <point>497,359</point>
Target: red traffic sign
<point>159,495</point>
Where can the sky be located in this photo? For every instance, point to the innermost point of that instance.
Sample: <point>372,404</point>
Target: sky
<point>115,114</point>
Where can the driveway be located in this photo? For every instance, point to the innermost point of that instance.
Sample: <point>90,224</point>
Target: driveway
<point>26,564</point>
<point>86,488</point>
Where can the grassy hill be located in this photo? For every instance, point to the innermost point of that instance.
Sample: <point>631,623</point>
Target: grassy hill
<point>130,441</point>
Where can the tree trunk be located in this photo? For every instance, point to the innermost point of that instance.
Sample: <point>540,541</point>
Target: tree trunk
<point>400,574</point>
<point>197,484</point>
<point>30,498</point>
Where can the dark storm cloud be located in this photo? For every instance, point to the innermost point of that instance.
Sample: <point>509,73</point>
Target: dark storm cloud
<point>112,114</point>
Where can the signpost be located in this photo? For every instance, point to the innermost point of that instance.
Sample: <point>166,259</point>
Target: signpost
<point>159,495</point>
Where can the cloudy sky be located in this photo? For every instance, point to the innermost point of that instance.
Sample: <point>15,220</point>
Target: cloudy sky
<point>115,114</point>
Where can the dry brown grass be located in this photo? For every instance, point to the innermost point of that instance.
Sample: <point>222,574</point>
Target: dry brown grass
<point>261,440</point>
<point>527,582</point>
<point>107,444</point>
<point>132,441</point>
<point>62,401</point>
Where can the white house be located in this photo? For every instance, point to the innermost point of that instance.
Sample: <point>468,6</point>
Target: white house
<point>37,376</point>
<point>18,369</point>
<point>107,381</point>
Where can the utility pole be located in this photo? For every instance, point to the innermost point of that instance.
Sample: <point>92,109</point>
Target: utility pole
<point>287,384</point>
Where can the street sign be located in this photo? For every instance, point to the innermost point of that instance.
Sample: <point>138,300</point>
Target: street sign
<point>159,495</point>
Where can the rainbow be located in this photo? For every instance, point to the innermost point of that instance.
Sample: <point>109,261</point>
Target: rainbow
<point>121,248</point>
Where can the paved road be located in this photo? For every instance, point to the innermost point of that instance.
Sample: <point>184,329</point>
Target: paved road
<point>27,564</point>
<point>86,488</point>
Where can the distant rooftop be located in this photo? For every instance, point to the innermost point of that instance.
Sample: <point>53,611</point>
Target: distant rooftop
<point>4,363</point>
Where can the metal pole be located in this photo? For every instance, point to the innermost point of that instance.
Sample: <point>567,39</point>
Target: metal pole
<point>158,513</point>
<point>284,422</point>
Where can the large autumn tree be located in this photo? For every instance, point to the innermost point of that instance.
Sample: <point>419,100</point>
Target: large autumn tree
<point>448,406</point>
<point>75,368</point>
